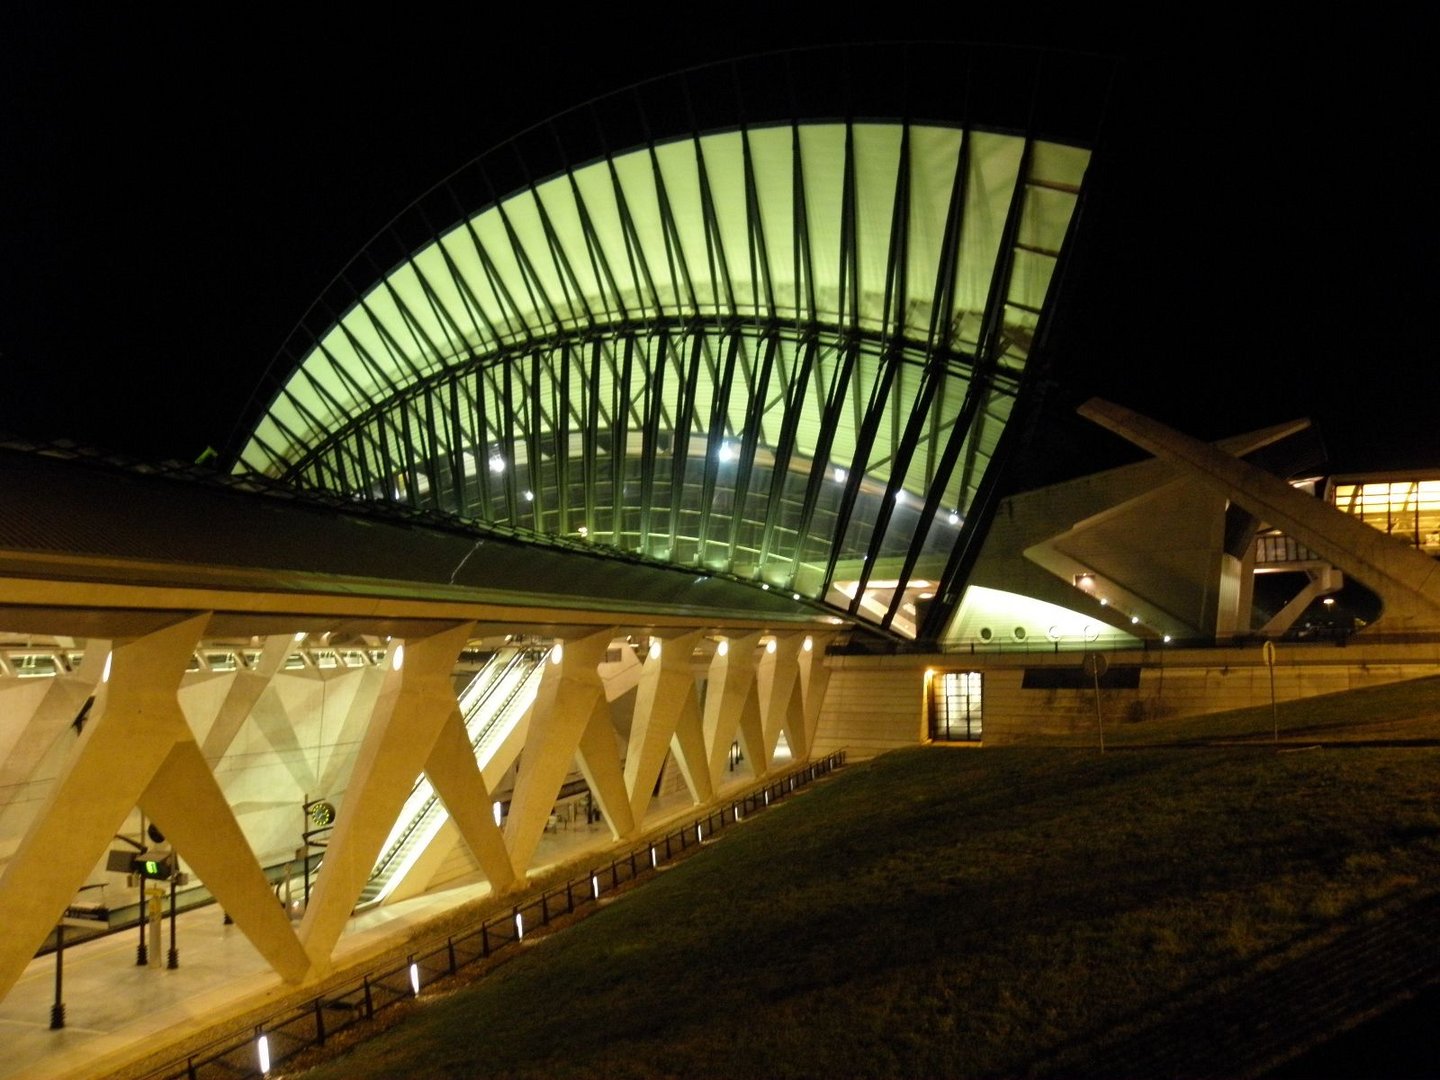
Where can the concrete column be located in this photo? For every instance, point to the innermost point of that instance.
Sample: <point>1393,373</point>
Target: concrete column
<point>598,756</point>
<point>140,750</point>
<point>61,702</point>
<point>665,692</point>
<point>814,679</point>
<point>777,679</point>
<point>453,772</point>
<point>414,703</point>
<point>570,694</point>
<point>244,692</point>
<point>186,804</point>
<point>732,706</point>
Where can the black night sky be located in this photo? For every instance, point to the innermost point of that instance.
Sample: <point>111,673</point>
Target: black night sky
<point>1260,244</point>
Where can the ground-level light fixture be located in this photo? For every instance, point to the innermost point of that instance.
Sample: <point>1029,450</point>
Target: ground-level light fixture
<point>398,660</point>
<point>723,649</point>
<point>557,652</point>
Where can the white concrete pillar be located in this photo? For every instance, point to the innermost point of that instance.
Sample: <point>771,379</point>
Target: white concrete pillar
<point>777,679</point>
<point>245,690</point>
<point>455,775</point>
<point>814,679</point>
<point>570,695</point>
<point>414,703</point>
<point>140,750</point>
<point>665,692</point>
<point>732,706</point>
<point>60,702</point>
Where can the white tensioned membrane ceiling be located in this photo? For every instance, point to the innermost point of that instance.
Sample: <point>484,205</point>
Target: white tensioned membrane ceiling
<point>718,351</point>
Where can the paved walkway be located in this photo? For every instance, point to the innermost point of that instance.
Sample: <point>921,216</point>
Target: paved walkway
<point>114,1007</point>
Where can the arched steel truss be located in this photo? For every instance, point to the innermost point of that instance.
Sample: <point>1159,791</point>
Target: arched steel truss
<point>782,351</point>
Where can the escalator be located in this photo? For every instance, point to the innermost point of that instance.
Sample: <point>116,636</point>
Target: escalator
<point>493,704</point>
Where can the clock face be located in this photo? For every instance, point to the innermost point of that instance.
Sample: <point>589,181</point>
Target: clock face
<point>322,814</point>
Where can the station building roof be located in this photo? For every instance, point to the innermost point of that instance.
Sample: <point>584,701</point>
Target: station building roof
<point>770,321</point>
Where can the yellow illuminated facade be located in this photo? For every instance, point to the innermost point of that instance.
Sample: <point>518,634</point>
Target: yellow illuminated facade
<point>1405,507</point>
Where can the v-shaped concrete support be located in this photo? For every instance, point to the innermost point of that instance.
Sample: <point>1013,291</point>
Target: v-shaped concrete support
<point>732,706</point>
<point>665,693</point>
<point>414,704</point>
<point>570,697</point>
<point>140,751</point>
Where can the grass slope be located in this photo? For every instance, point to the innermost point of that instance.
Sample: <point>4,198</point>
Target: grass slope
<point>1021,911</point>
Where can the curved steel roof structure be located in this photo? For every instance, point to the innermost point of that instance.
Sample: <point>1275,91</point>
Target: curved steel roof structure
<point>777,348</point>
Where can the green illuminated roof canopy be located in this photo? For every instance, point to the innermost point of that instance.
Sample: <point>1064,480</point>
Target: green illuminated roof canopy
<point>785,351</point>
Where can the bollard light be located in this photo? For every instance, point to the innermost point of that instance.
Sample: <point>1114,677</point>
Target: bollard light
<point>654,648</point>
<point>653,862</point>
<point>399,660</point>
<point>415,977</point>
<point>262,1051</point>
<point>595,886</point>
<point>699,835</point>
<point>809,643</point>
<point>723,648</point>
<point>519,926</point>
<point>557,653</point>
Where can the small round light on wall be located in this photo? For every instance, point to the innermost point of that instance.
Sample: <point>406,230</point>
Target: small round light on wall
<point>900,497</point>
<point>557,652</point>
<point>794,596</point>
<point>809,643</point>
<point>529,496</point>
<point>765,585</point>
<point>299,637</point>
<point>1329,601</point>
<point>497,464</point>
<point>654,648</point>
<point>1104,602</point>
<point>954,518</point>
<point>840,475</point>
<point>584,532</point>
<point>1134,620</point>
<point>398,660</point>
<point>770,645</point>
<point>1166,639</point>
<point>727,452</point>
<point>723,649</point>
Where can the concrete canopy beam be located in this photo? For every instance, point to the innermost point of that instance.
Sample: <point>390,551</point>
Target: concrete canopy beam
<point>1407,582</point>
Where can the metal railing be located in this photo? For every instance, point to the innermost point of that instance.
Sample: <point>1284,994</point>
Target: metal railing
<point>286,1033</point>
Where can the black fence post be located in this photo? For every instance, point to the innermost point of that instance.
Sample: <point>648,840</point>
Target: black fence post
<point>369,1001</point>
<point>319,1023</point>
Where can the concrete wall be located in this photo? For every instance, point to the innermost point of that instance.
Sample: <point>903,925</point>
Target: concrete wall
<point>878,703</point>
